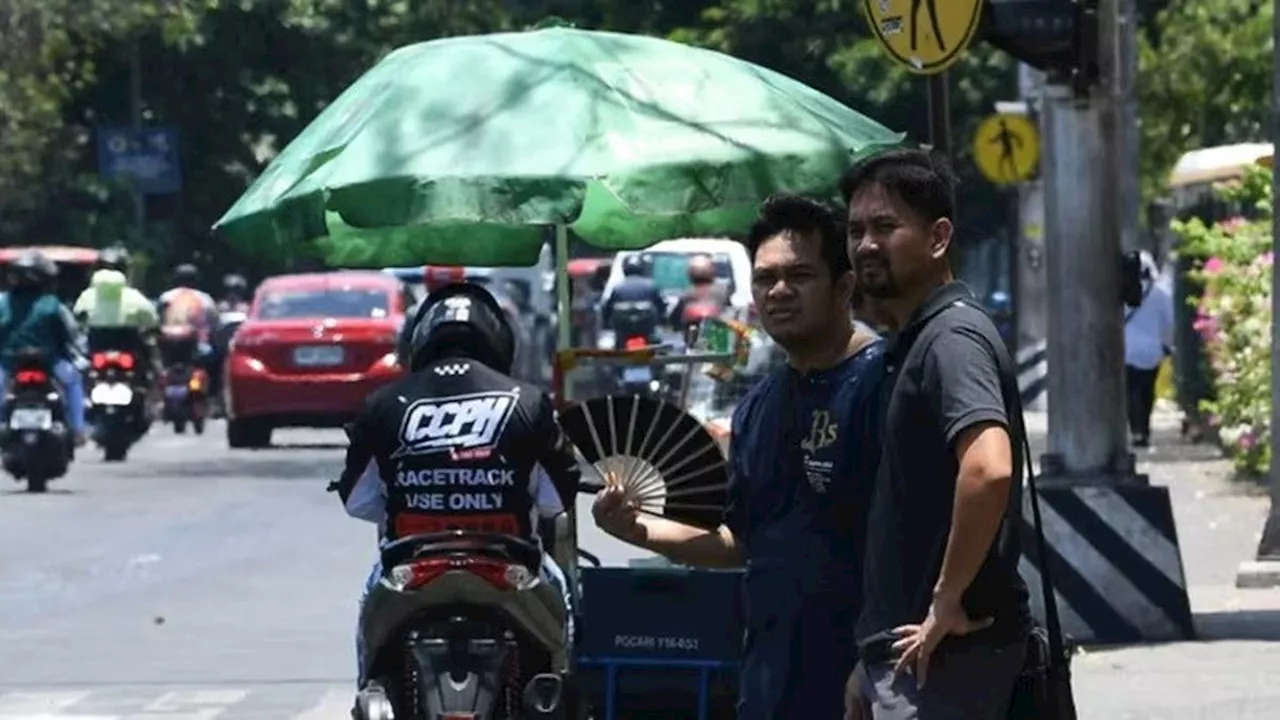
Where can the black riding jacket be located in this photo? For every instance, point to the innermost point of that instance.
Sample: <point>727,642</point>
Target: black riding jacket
<point>455,446</point>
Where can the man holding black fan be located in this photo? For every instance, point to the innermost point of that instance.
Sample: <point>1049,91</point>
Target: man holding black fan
<point>802,454</point>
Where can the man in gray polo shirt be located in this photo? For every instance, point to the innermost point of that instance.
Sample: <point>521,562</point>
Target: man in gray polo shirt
<point>942,634</point>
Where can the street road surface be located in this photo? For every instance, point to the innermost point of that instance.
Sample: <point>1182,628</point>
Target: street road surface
<point>191,582</point>
<point>197,583</point>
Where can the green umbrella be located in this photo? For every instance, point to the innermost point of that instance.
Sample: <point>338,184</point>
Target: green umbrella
<point>463,151</point>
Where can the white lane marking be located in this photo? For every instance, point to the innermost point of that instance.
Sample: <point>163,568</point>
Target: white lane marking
<point>195,704</point>
<point>61,717</point>
<point>38,703</point>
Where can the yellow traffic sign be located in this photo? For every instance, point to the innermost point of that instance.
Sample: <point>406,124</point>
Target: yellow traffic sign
<point>1007,148</point>
<point>925,36</point>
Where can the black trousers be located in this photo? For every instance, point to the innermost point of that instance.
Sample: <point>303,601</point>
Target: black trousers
<point>1141,387</point>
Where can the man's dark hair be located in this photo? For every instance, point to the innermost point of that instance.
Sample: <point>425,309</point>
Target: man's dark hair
<point>787,213</point>
<point>922,180</point>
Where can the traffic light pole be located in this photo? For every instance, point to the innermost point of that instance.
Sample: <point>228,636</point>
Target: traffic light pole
<point>1111,530</point>
<point>1087,433</point>
<point>1084,218</point>
<point>1265,571</point>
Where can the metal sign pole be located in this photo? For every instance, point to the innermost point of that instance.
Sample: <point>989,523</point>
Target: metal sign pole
<point>135,110</point>
<point>940,113</point>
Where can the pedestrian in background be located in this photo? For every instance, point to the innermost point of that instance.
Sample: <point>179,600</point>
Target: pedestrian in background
<point>802,456</point>
<point>1148,339</point>
<point>944,626</point>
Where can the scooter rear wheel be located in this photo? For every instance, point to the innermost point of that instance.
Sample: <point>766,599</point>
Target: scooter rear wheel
<point>372,704</point>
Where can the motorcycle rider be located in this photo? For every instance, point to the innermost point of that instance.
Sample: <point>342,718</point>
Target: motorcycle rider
<point>235,294</point>
<point>110,301</point>
<point>233,308</point>
<point>183,308</point>
<point>32,316</point>
<point>418,448</point>
<point>635,307</point>
<point>703,291</point>
<point>119,317</point>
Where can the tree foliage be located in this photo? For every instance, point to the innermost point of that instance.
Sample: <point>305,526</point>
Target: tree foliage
<point>240,78</point>
<point>1204,80</point>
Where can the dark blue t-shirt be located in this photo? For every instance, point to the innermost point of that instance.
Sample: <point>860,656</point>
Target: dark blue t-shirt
<point>803,453</point>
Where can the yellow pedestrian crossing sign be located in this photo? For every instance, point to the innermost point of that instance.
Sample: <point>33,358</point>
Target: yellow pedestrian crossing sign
<point>1006,149</point>
<point>925,36</point>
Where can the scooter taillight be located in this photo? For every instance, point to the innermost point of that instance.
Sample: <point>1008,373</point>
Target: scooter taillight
<point>31,377</point>
<point>636,343</point>
<point>125,361</point>
<point>502,575</point>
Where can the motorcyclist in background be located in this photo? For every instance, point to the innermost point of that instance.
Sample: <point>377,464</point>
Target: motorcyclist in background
<point>233,309</point>
<point>185,309</point>
<point>32,316</point>
<point>110,301</point>
<point>235,294</point>
<point>703,292</point>
<point>635,307</point>
<point>119,317</point>
<point>455,430</point>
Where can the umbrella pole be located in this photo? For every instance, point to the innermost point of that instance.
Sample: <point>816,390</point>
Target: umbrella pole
<point>568,559</point>
<point>564,328</point>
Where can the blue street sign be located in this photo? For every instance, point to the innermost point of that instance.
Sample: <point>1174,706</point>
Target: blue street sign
<point>148,157</point>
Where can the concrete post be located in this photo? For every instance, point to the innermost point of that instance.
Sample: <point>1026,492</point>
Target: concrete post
<point>1265,572</point>
<point>1112,540</point>
<point>1087,432</point>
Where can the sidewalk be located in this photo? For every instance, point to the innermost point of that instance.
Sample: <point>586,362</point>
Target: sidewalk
<point>1231,672</point>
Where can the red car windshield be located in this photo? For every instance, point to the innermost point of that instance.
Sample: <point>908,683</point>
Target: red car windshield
<point>324,303</point>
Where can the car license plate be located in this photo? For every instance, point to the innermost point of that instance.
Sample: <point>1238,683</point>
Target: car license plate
<point>31,419</point>
<point>176,392</point>
<point>112,394</point>
<point>318,355</point>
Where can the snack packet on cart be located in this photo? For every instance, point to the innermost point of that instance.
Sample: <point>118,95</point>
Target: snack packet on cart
<point>724,337</point>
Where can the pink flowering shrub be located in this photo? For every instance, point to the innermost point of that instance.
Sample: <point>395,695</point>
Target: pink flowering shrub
<point>1233,317</point>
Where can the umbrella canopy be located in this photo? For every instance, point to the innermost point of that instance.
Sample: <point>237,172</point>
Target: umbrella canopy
<point>463,150</point>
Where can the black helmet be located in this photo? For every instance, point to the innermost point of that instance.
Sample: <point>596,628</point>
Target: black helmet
<point>32,269</point>
<point>634,265</point>
<point>234,283</point>
<point>114,258</point>
<point>186,275</point>
<point>463,320</point>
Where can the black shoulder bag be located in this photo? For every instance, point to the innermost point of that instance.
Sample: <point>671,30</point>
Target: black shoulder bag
<point>1043,689</point>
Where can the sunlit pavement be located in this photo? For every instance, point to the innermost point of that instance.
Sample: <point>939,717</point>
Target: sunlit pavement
<point>1231,671</point>
<point>190,581</point>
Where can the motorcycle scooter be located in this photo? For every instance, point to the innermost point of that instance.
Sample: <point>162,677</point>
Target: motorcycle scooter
<point>462,626</point>
<point>117,407</point>
<point>186,385</point>
<point>35,440</point>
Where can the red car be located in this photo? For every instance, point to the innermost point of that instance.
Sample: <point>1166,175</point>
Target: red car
<point>310,351</point>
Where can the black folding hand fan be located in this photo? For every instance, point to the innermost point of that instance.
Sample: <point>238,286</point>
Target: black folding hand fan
<point>666,461</point>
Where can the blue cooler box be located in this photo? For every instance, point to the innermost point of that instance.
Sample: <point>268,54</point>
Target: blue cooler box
<point>660,642</point>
